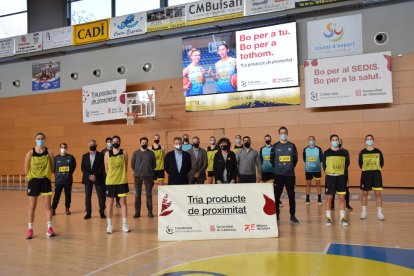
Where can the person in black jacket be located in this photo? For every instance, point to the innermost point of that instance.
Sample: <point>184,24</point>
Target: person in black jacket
<point>177,164</point>
<point>65,165</point>
<point>93,173</point>
<point>225,163</point>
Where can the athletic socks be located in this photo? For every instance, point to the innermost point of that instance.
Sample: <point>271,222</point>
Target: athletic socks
<point>328,214</point>
<point>380,214</point>
<point>109,221</point>
<point>124,220</point>
<point>363,212</point>
<point>30,225</point>
<point>341,214</point>
<point>49,224</point>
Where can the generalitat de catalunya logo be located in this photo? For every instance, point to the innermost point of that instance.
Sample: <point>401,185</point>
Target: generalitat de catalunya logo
<point>333,32</point>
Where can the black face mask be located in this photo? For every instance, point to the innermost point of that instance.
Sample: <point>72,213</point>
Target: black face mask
<point>92,148</point>
<point>340,146</point>
<point>268,142</point>
<point>224,147</point>
<point>196,145</point>
<point>185,140</point>
<point>115,145</point>
<point>156,141</point>
<point>144,146</point>
<point>247,144</point>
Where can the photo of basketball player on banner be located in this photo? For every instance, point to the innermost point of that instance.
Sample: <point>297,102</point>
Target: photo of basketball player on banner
<point>209,64</point>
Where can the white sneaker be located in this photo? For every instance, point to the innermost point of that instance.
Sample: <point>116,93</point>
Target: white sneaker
<point>328,222</point>
<point>343,222</point>
<point>363,215</point>
<point>381,216</point>
<point>109,229</point>
<point>125,228</point>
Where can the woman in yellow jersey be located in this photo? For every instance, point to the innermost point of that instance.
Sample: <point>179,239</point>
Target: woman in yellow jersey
<point>211,151</point>
<point>116,164</point>
<point>158,150</point>
<point>38,167</point>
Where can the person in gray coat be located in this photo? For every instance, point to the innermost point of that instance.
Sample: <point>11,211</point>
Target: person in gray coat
<point>199,163</point>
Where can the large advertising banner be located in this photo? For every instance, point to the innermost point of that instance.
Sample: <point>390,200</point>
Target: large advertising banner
<point>104,101</point>
<point>252,7</point>
<point>267,57</point>
<point>91,32</point>
<point>45,76</point>
<point>312,3</point>
<point>166,18</point>
<point>222,211</point>
<point>335,37</point>
<point>7,47</point>
<point>249,99</point>
<point>57,38</point>
<point>28,43</point>
<point>128,25</point>
<point>213,10</point>
<point>351,80</point>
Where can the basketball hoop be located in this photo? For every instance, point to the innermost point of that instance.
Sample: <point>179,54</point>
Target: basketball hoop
<point>130,118</point>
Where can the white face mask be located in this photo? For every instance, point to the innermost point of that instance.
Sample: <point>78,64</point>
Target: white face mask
<point>213,142</point>
<point>63,151</point>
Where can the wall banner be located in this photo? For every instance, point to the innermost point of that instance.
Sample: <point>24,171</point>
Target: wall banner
<point>128,25</point>
<point>57,38</point>
<point>166,18</point>
<point>28,43</point>
<point>252,7</point>
<point>45,76</point>
<point>91,32</point>
<point>213,10</point>
<point>7,48</point>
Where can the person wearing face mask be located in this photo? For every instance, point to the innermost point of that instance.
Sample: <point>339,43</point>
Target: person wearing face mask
<point>108,143</point>
<point>116,167</point>
<point>177,164</point>
<point>65,165</point>
<point>284,157</point>
<point>93,174</point>
<point>158,150</point>
<point>248,160</point>
<point>347,195</point>
<point>143,164</point>
<point>211,152</point>
<point>334,161</point>
<point>197,175</point>
<point>225,163</point>
<point>312,156</point>
<point>186,143</point>
<point>38,167</point>
<point>371,161</point>
<point>238,146</point>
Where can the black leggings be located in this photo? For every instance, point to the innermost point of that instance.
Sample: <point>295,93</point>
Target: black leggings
<point>289,182</point>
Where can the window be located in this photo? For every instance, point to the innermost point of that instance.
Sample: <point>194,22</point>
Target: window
<point>13,18</point>
<point>179,2</point>
<point>132,6</point>
<point>89,10</point>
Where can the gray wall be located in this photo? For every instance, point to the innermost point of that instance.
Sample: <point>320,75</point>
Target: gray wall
<point>165,55</point>
<point>46,15</point>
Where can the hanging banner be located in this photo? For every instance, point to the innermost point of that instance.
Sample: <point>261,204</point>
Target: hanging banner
<point>335,37</point>
<point>351,80</point>
<point>213,10</point>
<point>91,32</point>
<point>57,38</point>
<point>238,100</point>
<point>252,7</point>
<point>104,101</point>
<point>166,18</point>
<point>267,57</point>
<point>45,76</point>
<point>128,25</point>
<point>7,47</point>
<point>28,43</point>
<point>307,3</point>
<point>222,211</point>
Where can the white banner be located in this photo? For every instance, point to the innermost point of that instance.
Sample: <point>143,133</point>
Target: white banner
<point>166,18</point>
<point>7,47</point>
<point>226,211</point>
<point>335,37</point>
<point>57,38</point>
<point>351,80</point>
<point>28,43</point>
<point>128,25</point>
<point>267,57</point>
<point>213,10</point>
<point>104,101</point>
<point>264,6</point>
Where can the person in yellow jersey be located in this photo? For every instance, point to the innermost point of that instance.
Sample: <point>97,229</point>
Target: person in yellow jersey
<point>371,162</point>
<point>159,174</point>
<point>238,146</point>
<point>38,167</point>
<point>116,164</point>
<point>211,151</point>
<point>334,161</point>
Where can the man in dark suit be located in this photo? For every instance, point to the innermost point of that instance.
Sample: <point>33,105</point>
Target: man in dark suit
<point>198,155</point>
<point>177,164</point>
<point>93,173</point>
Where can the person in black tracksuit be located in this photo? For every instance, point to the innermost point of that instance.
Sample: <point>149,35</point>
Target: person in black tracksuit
<point>65,165</point>
<point>225,163</point>
<point>284,157</point>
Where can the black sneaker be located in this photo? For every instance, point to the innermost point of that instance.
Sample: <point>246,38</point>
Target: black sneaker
<point>294,220</point>
<point>307,202</point>
<point>349,207</point>
<point>118,205</point>
<point>137,215</point>
<point>87,216</point>
<point>150,215</point>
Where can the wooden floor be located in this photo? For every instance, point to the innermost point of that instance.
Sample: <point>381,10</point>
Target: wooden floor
<point>82,247</point>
